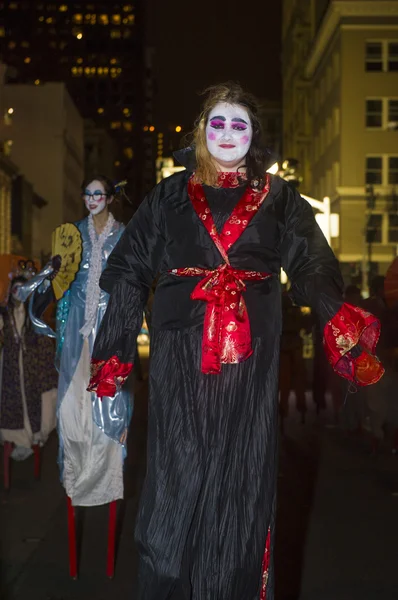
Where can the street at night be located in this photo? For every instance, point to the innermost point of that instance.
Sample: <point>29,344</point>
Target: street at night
<point>336,525</point>
<point>198,300</point>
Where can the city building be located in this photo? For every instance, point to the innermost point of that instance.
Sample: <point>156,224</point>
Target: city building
<point>100,151</point>
<point>271,120</point>
<point>45,141</point>
<point>96,48</point>
<point>7,172</point>
<point>340,61</point>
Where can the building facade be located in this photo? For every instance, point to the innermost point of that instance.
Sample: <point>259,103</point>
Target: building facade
<point>96,48</point>
<point>46,139</point>
<point>349,104</point>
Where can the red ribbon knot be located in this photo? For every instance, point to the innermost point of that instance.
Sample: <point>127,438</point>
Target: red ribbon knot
<point>226,334</point>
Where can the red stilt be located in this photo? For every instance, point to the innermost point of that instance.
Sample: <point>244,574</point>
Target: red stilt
<point>110,561</point>
<point>7,454</point>
<point>36,452</point>
<point>72,540</point>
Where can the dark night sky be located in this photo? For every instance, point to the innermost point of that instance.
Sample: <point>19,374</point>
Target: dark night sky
<point>210,41</point>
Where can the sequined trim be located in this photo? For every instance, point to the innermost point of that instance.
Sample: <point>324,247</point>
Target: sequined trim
<point>265,567</point>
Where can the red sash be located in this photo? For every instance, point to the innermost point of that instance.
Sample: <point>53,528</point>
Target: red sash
<point>226,335</point>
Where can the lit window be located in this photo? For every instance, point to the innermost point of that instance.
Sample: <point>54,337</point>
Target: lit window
<point>100,70</point>
<point>74,71</point>
<point>129,20</point>
<point>115,34</point>
<point>49,20</point>
<point>106,70</point>
<point>119,71</point>
<point>2,32</point>
<point>87,70</point>
<point>63,8</point>
<point>12,45</point>
<point>128,153</point>
<point>128,126</point>
<point>78,18</point>
<point>116,19</point>
<point>374,113</point>
<point>104,19</point>
<point>114,61</point>
<point>126,112</point>
<point>93,70</point>
<point>100,111</point>
<point>79,61</point>
<point>41,19</point>
<point>90,19</point>
<point>115,125</point>
<point>117,163</point>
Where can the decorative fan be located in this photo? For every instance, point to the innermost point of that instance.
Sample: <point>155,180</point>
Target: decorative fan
<point>67,254</point>
<point>391,284</point>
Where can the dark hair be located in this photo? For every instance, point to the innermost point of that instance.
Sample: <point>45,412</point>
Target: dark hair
<point>231,93</point>
<point>109,186</point>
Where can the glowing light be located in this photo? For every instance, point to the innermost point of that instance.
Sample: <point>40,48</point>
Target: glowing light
<point>10,111</point>
<point>79,36</point>
<point>63,8</point>
<point>283,277</point>
<point>117,163</point>
<point>152,128</point>
<point>27,60</point>
<point>178,128</point>
<point>100,111</point>
<point>273,169</point>
<point>37,81</point>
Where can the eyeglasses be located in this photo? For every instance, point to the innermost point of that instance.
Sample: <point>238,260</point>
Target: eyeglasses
<point>96,195</point>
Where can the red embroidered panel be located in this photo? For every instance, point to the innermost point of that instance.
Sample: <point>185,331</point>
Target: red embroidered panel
<point>226,333</point>
<point>351,327</point>
<point>107,377</point>
<point>241,216</point>
<point>265,567</point>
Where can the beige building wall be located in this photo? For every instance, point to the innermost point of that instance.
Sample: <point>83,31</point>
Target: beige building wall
<point>338,86</point>
<point>48,148</point>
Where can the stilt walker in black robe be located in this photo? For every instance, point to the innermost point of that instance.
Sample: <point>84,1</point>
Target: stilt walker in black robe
<point>218,234</point>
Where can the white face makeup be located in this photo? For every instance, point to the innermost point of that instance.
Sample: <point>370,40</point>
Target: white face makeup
<point>229,134</point>
<point>95,197</point>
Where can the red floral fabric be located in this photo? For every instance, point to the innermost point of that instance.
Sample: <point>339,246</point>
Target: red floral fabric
<point>108,376</point>
<point>351,327</point>
<point>226,336</point>
<point>265,568</point>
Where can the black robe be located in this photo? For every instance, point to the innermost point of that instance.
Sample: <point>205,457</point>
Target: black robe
<point>208,500</point>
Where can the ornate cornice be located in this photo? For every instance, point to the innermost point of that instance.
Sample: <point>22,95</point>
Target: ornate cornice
<point>339,9</point>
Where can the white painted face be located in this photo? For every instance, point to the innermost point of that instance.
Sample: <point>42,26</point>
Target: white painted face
<point>229,134</point>
<point>95,197</point>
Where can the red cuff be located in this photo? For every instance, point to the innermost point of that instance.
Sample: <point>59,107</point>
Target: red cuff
<point>108,376</point>
<point>348,328</point>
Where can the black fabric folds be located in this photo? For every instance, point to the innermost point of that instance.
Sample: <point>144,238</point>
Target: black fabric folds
<point>209,495</point>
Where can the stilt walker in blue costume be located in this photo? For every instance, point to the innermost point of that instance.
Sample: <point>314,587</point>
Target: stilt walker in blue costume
<point>92,432</point>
